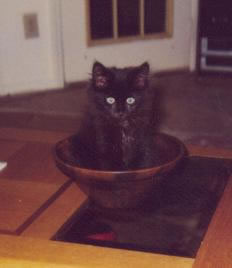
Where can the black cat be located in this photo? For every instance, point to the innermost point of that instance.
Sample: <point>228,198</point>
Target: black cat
<point>117,131</point>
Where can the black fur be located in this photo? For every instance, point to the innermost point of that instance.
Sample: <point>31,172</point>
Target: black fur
<point>117,136</point>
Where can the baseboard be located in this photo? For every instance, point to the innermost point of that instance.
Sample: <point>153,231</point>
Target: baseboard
<point>38,87</point>
<point>169,72</point>
<point>28,87</point>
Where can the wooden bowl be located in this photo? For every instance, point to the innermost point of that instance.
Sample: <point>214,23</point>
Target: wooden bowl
<point>120,189</point>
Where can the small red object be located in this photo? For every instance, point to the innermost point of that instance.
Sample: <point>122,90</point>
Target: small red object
<point>105,236</point>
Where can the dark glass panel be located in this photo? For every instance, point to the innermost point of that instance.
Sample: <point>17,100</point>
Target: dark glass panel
<point>128,17</point>
<point>101,19</point>
<point>219,61</point>
<point>154,17</point>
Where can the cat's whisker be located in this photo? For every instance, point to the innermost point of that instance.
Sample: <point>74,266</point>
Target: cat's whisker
<point>111,141</point>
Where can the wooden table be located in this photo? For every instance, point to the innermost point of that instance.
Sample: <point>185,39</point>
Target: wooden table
<point>36,199</point>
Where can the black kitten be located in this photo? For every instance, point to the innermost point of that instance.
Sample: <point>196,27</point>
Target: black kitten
<point>117,130</point>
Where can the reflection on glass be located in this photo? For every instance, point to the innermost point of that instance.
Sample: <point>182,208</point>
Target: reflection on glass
<point>101,23</point>
<point>128,17</point>
<point>154,17</point>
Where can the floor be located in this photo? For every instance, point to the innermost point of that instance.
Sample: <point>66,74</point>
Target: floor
<point>196,109</point>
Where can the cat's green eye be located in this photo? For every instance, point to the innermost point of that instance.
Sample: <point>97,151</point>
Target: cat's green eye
<point>130,100</point>
<point>110,100</point>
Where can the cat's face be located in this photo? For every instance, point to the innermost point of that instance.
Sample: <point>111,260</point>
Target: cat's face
<point>119,92</point>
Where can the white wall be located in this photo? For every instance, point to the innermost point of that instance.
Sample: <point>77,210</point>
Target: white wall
<point>37,64</point>
<point>162,54</point>
<point>31,64</point>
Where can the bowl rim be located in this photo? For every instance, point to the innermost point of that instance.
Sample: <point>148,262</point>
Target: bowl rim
<point>160,168</point>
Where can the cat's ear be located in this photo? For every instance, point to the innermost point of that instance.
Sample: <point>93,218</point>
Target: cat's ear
<point>141,76</point>
<point>100,77</point>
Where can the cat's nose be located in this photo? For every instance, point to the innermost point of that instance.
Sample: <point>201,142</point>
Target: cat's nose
<point>120,114</point>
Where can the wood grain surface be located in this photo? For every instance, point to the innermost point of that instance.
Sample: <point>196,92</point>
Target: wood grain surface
<point>216,249</point>
<point>31,181</point>
<point>22,201</point>
<point>36,199</point>
<point>36,253</point>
